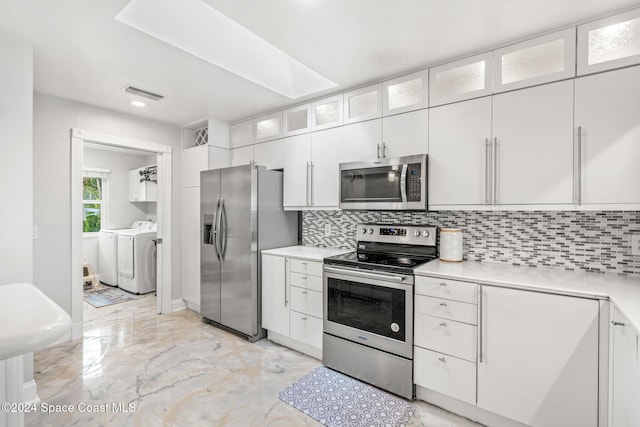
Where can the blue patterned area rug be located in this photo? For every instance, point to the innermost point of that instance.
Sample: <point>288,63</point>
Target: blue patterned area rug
<point>107,296</point>
<point>337,400</point>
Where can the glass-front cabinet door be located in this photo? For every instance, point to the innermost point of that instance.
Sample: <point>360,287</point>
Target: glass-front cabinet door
<point>406,93</point>
<point>609,43</point>
<point>540,60</point>
<point>460,80</point>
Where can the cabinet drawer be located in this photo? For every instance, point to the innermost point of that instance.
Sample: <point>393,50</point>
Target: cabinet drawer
<point>306,301</point>
<point>445,374</point>
<point>453,310</point>
<point>306,281</point>
<point>303,266</point>
<point>446,336</point>
<point>306,329</point>
<point>448,289</point>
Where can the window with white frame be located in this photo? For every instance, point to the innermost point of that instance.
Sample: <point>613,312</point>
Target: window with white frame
<point>94,195</point>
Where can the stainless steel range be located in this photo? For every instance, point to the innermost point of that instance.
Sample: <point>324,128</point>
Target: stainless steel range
<point>368,305</point>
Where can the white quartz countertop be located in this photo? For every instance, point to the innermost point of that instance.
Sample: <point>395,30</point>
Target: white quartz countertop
<point>310,253</point>
<point>623,291</point>
<point>29,319</point>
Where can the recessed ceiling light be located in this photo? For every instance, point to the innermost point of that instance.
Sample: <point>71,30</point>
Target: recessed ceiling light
<point>195,27</point>
<point>138,104</point>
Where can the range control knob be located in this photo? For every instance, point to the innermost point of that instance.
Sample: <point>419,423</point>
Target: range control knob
<point>425,233</point>
<point>363,231</point>
<point>371,231</point>
<point>416,233</point>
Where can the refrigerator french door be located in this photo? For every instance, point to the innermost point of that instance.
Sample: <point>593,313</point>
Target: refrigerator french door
<point>241,214</point>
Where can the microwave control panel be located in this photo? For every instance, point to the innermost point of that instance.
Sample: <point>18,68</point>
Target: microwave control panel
<point>414,182</point>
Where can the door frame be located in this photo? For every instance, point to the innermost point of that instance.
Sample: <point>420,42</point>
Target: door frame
<point>164,157</point>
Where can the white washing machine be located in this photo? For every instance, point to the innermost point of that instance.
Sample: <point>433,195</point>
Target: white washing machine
<point>137,260</point>
<point>108,251</point>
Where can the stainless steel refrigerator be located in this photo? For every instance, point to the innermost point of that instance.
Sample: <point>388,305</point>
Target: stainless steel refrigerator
<point>240,214</point>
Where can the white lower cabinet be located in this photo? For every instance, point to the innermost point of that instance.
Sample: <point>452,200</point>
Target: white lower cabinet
<point>446,337</point>
<point>625,373</point>
<point>538,360</point>
<point>292,302</point>
<point>445,374</point>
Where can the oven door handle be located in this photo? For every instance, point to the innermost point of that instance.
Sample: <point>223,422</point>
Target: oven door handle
<point>360,273</point>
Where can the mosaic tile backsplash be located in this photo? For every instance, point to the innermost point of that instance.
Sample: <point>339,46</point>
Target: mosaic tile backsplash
<point>588,241</point>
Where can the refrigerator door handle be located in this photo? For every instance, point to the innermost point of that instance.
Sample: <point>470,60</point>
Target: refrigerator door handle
<point>216,229</point>
<point>225,232</point>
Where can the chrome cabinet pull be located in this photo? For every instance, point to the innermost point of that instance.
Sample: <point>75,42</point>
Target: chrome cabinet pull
<point>286,278</point>
<point>378,152</point>
<point>304,277</point>
<point>443,324</point>
<point>487,161</point>
<point>304,292</point>
<point>480,324</point>
<point>495,170</point>
<point>384,150</point>
<point>308,173</point>
<point>614,323</point>
<point>442,359</point>
<point>304,318</point>
<point>303,263</point>
<point>443,284</point>
<point>311,180</point>
<point>444,304</point>
<point>578,197</point>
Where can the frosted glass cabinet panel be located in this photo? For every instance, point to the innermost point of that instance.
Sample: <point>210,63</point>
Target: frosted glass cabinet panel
<point>609,43</point>
<point>363,104</point>
<point>269,127</point>
<point>297,120</point>
<point>460,80</point>
<point>327,113</point>
<point>541,60</point>
<point>406,93</point>
<point>242,134</point>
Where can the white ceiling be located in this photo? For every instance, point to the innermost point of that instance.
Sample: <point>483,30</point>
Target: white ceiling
<point>82,53</point>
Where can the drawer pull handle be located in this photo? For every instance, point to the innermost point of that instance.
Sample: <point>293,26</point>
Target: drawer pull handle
<point>303,318</point>
<point>304,292</point>
<point>614,323</point>
<point>304,277</point>
<point>442,359</point>
<point>443,324</point>
<point>303,263</point>
<point>444,304</point>
<point>443,284</point>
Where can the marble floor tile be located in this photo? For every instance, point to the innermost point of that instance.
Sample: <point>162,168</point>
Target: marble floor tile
<point>134,367</point>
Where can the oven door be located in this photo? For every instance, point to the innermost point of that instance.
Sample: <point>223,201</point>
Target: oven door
<point>370,308</point>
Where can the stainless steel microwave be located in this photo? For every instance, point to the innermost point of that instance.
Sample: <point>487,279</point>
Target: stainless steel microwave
<point>398,183</point>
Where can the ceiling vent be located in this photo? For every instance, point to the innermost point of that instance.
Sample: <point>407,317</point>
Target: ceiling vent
<point>141,92</point>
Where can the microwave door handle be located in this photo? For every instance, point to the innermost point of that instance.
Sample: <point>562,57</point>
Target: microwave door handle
<point>403,183</point>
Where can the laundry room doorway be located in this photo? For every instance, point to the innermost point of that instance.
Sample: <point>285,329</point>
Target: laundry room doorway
<point>80,140</point>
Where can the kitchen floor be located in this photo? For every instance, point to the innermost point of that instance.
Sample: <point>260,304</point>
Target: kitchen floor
<point>173,370</point>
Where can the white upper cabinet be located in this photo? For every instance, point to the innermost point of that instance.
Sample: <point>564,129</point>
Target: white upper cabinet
<point>607,120</point>
<point>297,120</point>
<point>242,155</point>
<point>363,104</point>
<point>296,160</point>
<point>243,134</point>
<point>362,141</point>
<point>268,154</point>
<point>326,147</point>
<point>327,113</point>
<point>609,43</point>
<point>405,134</point>
<point>460,80</point>
<point>406,93</point>
<point>268,127</point>
<point>533,145</point>
<point>541,60</point>
<point>459,161</point>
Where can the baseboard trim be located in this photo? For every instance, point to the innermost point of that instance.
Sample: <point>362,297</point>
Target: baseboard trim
<point>177,305</point>
<point>193,307</point>
<point>77,331</point>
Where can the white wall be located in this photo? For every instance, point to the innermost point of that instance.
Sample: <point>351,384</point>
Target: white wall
<point>53,118</point>
<point>16,173</point>
<point>121,212</point>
